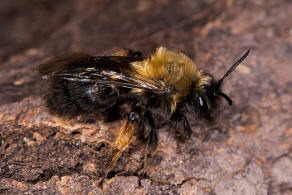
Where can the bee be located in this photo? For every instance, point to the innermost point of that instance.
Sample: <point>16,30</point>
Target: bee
<point>157,89</point>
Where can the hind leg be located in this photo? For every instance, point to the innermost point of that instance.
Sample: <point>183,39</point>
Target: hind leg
<point>128,53</point>
<point>123,139</point>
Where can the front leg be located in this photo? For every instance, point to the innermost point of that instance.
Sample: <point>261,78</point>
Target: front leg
<point>179,118</point>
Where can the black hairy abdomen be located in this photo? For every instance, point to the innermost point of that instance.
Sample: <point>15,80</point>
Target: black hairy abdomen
<point>69,98</point>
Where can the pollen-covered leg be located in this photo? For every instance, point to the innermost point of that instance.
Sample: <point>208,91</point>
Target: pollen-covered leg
<point>123,138</point>
<point>182,120</point>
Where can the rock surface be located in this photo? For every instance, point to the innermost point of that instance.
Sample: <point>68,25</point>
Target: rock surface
<point>247,150</point>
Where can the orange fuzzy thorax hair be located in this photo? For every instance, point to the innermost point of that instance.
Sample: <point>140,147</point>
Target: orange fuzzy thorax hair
<point>170,70</point>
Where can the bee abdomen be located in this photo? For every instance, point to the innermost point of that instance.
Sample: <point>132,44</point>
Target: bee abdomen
<point>70,99</point>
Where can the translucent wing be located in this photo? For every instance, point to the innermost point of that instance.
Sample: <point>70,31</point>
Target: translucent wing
<point>106,70</point>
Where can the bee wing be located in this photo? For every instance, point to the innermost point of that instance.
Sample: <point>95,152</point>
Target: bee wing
<point>77,61</point>
<point>122,80</point>
<point>106,70</point>
<point>111,78</point>
<point>62,63</point>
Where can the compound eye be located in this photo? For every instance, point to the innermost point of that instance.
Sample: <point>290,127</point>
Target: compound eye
<point>202,104</point>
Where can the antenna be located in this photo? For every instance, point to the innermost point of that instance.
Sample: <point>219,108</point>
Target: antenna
<point>232,68</point>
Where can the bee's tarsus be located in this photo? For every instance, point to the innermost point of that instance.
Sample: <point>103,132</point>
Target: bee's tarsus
<point>180,118</point>
<point>152,140</point>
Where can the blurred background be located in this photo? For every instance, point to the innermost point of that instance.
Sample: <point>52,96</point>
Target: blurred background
<point>96,26</point>
<point>249,149</point>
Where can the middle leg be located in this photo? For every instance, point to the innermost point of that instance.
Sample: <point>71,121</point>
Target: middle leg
<point>149,132</point>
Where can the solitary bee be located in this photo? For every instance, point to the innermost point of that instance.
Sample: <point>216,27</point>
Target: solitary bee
<point>157,89</point>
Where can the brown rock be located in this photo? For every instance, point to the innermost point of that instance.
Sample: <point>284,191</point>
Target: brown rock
<point>247,150</point>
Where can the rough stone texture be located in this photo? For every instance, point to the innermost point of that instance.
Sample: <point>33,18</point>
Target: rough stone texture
<point>246,151</point>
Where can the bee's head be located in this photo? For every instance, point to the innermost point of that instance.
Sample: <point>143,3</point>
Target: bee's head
<point>207,90</point>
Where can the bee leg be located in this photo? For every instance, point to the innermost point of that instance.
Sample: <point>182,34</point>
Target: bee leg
<point>150,133</point>
<point>128,53</point>
<point>180,118</point>
<point>135,54</point>
<point>152,140</point>
<point>123,138</point>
